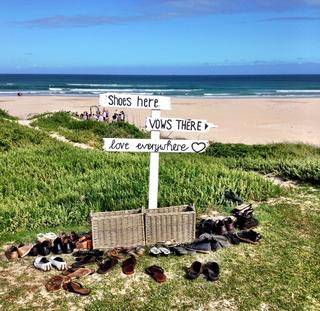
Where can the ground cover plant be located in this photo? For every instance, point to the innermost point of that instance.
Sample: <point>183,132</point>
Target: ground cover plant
<point>48,185</point>
<point>290,161</point>
<point>90,132</point>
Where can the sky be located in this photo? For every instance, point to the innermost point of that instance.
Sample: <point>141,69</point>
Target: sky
<point>160,36</point>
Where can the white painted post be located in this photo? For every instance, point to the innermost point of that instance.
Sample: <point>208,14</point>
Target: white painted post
<point>154,167</point>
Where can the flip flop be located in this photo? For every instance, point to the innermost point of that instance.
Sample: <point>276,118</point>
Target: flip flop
<point>80,272</point>
<point>55,283</point>
<point>107,265</point>
<point>77,288</point>
<point>128,265</point>
<point>157,273</point>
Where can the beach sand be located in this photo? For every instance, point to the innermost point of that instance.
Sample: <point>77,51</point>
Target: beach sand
<point>240,120</point>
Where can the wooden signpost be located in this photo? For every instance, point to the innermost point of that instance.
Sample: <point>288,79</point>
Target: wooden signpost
<point>154,124</point>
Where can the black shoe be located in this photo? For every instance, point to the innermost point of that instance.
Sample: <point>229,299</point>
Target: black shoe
<point>246,223</point>
<point>231,196</point>
<point>34,251</point>
<point>57,246</point>
<point>207,226</point>
<point>220,227</point>
<point>43,248</point>
<point>67,247</point>
<point>249,236</point>
<point>194,270</point>
<point>107,265</point>
<point>211,271</point>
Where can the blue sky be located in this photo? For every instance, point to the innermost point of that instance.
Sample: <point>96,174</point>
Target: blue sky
<point>160,36</point>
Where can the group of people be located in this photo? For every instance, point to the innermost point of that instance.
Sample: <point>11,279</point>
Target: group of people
<point>102,116</point>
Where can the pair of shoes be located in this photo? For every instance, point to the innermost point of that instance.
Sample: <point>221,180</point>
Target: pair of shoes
<point>62,245</point>
<point>59,281</point>
<point>84,242</point>
<point>159,251</point>
<point>210,269</point>
<point>127,266</point>
<point>229,195</point>
<point>14,252</point>
<point>157,273</point>
<point>220,227</point>
<point>42,263</point>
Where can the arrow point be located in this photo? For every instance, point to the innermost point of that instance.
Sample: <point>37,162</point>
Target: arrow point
<point>206,126</point>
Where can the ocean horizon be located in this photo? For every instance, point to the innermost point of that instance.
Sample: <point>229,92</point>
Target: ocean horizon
<point>205,86</point>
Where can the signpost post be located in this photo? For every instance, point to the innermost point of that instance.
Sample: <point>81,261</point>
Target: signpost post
<point>154,124</point>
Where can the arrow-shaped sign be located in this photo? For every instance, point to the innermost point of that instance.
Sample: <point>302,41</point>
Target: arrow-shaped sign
<point>149,145</point>
<point>178,125</point>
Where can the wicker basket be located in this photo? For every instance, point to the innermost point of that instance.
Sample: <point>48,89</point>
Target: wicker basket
<point>120,228</point>
<point>175,223</point>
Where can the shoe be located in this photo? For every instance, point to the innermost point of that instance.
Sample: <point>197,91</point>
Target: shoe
<point>75,287</point>
<point>57,246</point>
<point>58,263</point>
<point>154,251</point>
<point>231,196</point>
<point>23,250</point>
<point>157,273</point>
<point>128,265</point>
<point>246,222</point>
<point>211,271</point>
<point>220,227</point>
<point>232,237</point>
<point>34,251</point>
<point>194,270</point>
<point>42,263</point>
<point>12,253</point>
<point>55,283</point>
<point>199,247</point>
<point>207,226</point>
<point>82,261</point>
<point>67,247</point>
<point>107,265</point>
<point>249,236</point>
<point>180,250</point>
<point>43,248</point>
<point>244,210</point>
<point>229,224</point>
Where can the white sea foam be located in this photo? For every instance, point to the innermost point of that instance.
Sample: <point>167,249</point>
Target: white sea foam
<point>298,91</point>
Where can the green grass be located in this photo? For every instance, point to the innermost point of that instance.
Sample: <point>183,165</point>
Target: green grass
<point>49,183</point>
<point>5,115</point>
<point>85,131</point>
<point>46,185</point>
<point>291,161</point>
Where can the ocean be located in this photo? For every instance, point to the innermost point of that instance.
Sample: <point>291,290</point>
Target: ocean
<point>173,85</point>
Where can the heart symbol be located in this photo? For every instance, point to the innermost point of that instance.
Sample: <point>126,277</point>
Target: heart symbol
<point>198,147</point>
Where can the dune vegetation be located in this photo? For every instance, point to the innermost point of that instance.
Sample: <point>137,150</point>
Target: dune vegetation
<point>50,185</point>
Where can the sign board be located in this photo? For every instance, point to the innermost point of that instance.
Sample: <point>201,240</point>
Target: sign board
<point>177,125</point>
<point>123,100</point>
<point>156,146</point>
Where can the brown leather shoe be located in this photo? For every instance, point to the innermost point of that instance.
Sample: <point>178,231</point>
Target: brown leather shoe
<point>157,273</point>
<point>12,253</point>
<point>128,265</point>
<point>24,250</point>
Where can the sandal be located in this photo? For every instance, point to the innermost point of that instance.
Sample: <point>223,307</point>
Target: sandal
<point>128,265</point>
<point>55,283</point>
<point>157,273</point>
<point>80,272</point>
<point>77,288</point>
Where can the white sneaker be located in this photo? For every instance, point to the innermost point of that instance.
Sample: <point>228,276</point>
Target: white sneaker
<point>42,263</point>
<point>58,263</point>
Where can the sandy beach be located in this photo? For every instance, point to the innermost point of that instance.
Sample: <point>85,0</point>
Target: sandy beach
<point>240,120</point>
